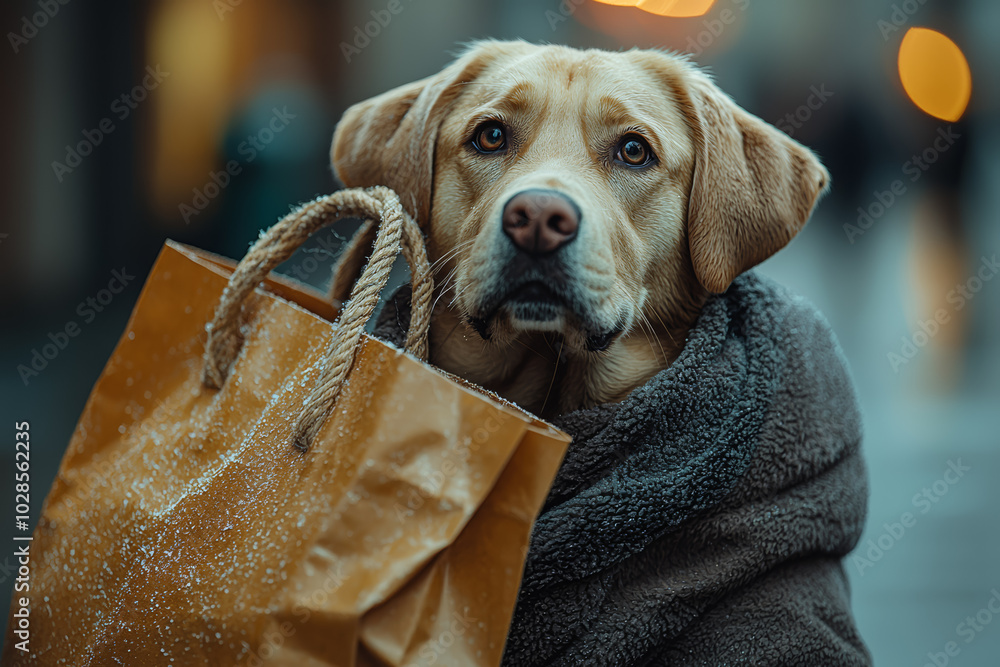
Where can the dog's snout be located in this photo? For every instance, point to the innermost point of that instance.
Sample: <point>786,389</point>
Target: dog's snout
<point>540,221</point>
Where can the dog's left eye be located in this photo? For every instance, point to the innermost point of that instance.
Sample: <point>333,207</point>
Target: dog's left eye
<point>633,151</point>
<point>490,137</point>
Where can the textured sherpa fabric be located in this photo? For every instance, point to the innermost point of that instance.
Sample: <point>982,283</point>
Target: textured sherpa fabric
<point>702,520</point>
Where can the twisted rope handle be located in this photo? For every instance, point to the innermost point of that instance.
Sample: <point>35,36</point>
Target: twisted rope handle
<point>279,243</point>
<point>352,259</point>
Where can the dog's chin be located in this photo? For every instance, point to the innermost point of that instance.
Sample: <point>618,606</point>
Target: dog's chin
<point>534,308</point>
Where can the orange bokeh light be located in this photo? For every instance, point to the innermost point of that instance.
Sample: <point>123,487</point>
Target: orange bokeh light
<point>935,73</point>
<point>675,8</point>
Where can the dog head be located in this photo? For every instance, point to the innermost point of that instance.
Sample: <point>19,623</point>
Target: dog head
<point>583,192</point>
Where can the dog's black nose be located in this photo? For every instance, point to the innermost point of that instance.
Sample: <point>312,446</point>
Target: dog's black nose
<point>540,221</point>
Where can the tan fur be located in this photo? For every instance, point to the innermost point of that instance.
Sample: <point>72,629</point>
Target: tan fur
<point>728,192</point>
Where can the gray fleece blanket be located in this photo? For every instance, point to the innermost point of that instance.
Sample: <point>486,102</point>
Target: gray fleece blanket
<point>702,520</point>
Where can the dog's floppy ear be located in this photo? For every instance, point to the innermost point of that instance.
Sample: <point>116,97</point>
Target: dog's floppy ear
<point>389,139</point>
<point>753,187</point>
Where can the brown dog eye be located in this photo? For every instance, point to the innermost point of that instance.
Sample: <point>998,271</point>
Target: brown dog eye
<point>633,151</point>
<point>490,137</point>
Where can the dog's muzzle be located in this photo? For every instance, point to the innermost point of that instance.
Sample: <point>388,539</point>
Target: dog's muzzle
<point>536,282</point>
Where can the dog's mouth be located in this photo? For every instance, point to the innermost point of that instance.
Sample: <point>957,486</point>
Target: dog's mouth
<point>535,302</point>
<point>537,305</point>
<point>532,302</point>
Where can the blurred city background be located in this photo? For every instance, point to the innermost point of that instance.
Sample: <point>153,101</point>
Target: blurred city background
<point>119,119</point>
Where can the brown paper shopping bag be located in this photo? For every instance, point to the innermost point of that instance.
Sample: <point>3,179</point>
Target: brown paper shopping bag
<point>278,489</point>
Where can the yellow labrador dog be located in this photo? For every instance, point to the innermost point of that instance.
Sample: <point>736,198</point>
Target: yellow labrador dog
<point>580,207</point>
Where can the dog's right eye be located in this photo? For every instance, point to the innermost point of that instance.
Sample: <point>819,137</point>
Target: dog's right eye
<point>489,137</point>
